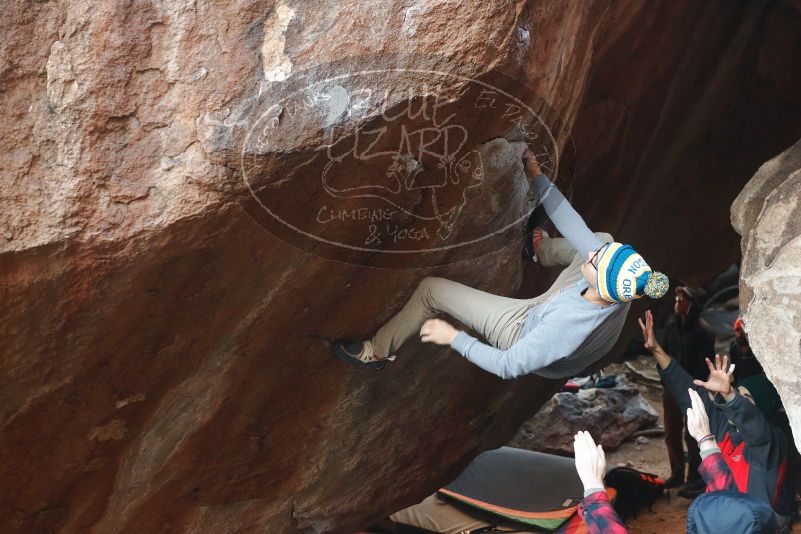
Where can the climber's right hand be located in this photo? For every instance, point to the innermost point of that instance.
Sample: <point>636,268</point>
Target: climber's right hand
<point>437,331</point>
<point>530,164</point>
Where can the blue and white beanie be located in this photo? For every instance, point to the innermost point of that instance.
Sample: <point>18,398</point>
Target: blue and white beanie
<point>623,275</point>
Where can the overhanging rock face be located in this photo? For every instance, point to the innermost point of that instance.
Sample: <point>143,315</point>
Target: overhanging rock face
<point>768,216</point>
<point>179,223</point>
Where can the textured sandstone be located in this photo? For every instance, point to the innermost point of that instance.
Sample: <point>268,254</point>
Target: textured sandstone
<point>768,215</point>
<point>158,373</point>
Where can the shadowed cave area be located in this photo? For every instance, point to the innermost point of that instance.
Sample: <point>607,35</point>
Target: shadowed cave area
<point>195,196</point>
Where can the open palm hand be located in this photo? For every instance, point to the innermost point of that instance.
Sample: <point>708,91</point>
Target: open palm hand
<point>720,376</point>
<point>590,460</point>
<point>697,418</point>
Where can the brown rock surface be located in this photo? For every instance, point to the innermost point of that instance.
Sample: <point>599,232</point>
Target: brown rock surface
<point>157,370</point>
<point>768,215</point>
<point>611,415</point>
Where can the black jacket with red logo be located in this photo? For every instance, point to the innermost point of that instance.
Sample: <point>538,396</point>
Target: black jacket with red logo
<point>755,451</point>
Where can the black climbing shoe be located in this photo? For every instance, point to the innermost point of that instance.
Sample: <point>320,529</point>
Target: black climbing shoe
<point>359,353</point>
<point>537,219</point>
<point>692,489</point>
<point>674,481</point>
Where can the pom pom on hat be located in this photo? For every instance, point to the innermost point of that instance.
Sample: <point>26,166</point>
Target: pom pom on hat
<point>657,285</point>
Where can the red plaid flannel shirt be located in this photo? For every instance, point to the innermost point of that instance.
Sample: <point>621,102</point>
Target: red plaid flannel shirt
<point>599,515</point>
<point>716,473</point>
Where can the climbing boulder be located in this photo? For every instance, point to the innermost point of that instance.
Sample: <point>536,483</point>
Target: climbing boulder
<point>768,216</point>
<point>611,415</point>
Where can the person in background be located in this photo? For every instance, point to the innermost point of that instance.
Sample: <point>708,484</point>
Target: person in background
<point>756,452</point>
<point>722,509</point>
<point>689,343</point>
<point>741,355</point>
<point>747,367</point>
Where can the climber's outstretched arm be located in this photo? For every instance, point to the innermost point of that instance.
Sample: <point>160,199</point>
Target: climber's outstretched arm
<point>531,352</point>
<point>567,220</point>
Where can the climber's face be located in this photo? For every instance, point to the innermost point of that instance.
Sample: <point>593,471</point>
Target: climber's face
<point>590,267</point>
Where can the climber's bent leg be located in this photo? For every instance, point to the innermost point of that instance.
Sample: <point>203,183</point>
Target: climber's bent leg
<point>497,319</point>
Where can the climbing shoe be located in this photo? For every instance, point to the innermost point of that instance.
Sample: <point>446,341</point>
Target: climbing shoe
<point>359,353</point>
<point>692,489</point>
<point>536,221</point>
<point>674,481</point>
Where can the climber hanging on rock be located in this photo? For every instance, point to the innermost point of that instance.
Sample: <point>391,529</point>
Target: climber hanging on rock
<point>557,334</point>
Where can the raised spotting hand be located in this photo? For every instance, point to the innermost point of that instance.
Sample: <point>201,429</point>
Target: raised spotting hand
<point>697,418</point>
<point>590,460</point>
<point>650,342</point>
<point>720,377</point>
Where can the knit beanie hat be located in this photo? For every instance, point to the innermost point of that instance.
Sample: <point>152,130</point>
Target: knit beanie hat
<point>764,393</point>
<point>624,276</point>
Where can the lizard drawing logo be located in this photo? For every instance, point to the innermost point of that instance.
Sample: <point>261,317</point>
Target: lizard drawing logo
<point>423,172</point>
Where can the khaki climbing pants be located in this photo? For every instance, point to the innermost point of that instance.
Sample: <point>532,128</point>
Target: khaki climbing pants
<point>497,319</point>
<point>437,515</point>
